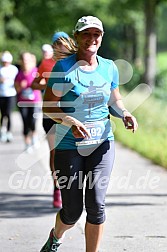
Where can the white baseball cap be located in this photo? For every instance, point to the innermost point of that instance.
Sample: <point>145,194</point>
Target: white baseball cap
<point>7,57</point>
<point>88,22</point>
<point>47,48</point>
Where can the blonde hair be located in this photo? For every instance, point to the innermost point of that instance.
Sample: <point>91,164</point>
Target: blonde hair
<point>69,48</point>
<point>28,61</point>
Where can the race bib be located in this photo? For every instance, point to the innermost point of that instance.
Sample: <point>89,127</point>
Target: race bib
<point>27,94</point>
<point>96,130</point>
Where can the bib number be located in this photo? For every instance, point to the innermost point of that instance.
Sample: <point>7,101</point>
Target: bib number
<point>96,130</point>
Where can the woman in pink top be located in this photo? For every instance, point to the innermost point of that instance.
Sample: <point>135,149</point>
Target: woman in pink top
<point>27,98</point>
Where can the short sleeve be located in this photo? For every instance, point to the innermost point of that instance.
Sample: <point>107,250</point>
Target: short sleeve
<point>40,69</point>
<point>115,80</point>
<point>57,77</point>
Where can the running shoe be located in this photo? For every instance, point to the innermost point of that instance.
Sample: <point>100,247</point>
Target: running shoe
<point>9,136</point>
<point>28,149</point>
<point>57,202</point>
<point>3,135</point>
<point>52,243</point>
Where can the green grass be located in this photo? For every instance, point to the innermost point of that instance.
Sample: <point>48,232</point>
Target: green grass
<point>150,140</point>
<point>161,61</point>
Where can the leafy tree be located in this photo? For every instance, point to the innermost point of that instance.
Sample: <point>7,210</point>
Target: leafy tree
<point>6,10</point>
<point>130,26</point>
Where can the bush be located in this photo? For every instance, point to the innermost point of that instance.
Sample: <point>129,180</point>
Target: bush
<point>136,79</point>
<point>161,85</point>
<point>150,138</point>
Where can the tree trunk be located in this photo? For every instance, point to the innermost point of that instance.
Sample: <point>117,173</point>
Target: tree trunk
<point>150,42</point>
<point>130,43</point>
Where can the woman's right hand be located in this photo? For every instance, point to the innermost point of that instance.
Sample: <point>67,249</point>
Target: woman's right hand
<point>78,129</point>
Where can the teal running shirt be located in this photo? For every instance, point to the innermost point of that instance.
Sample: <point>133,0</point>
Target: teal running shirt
<point>85,96</point>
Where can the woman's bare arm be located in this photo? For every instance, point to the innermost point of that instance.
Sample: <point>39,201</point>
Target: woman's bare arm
<point>119,109</point>
<point>52,110</point>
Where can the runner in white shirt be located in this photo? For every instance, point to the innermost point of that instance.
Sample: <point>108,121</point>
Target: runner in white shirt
<point>8,73</point>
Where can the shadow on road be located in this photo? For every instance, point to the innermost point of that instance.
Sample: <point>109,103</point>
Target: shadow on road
<point>136,195</point>
<point>25,205</point>
<point>125,199</point>
<point>13,205</point>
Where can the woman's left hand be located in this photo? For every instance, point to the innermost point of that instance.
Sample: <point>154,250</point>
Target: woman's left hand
<point>130,121</point>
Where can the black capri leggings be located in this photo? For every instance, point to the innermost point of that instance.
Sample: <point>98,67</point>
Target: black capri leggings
<point>27,114</point>
<point>6,106</point>
<point>48,124</point>
<point>72,169</point>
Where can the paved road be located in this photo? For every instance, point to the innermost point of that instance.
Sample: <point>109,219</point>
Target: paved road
<point>136,202</point>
